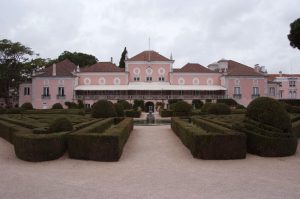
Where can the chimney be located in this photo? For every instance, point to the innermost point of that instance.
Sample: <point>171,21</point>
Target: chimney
<point>111,59</point>
<point>54,70</point>
<point>257,68</point>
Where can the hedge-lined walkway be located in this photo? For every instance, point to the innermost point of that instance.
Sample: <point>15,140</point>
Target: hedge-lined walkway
<point>155,164</point>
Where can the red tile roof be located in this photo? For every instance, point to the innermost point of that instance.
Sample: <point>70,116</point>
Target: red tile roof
<point>193,68</point>
<point>63,69</point>
<point>238,69</point>
<point>102,67</point>
<point>271,77</point>
<point>149,56</point>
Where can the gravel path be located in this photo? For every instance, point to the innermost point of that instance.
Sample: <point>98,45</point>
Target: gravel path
<point>154,165</point>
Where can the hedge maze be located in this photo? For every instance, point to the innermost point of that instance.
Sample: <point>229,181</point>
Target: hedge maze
<point>33,140</point>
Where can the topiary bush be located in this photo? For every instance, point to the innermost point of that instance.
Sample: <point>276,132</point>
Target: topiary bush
<point>138,104</point>
<point>126,105</point>
<point>229,102</point>
<point>57,106</point>
<point>205,107</point>
<point>71,105</point>
<point>197,103</point>
<point>219,109</point>
<point>119,109</point>
<point>60,124</point>
<point>103,109</point>
<point>27,106</point>
<point>181,108</point>
<point>269,111</point>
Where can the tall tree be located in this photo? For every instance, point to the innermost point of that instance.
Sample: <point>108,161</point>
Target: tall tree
<point>78,58</point>
<point>294,35</point>
<point>123,57</point>
<point>13,56</point>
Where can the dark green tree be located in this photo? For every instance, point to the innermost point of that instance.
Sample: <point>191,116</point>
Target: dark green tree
<point>13,57</point>
<point>294,35</point>
<point>123,57</point>
<point>78,58</point>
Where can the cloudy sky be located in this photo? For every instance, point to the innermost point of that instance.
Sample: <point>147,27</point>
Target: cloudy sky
<point>251,32</point>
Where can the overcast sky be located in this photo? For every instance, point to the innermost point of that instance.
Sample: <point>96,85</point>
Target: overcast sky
<point>250,32</point>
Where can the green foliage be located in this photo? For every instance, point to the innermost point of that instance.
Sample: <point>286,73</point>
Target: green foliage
<point>166,113</point>
<point>57,106</point>
<point>182,106</point>
<point>206,140</point>
<point>80,104</point>
<point>294,35</point>
<point>197,103</point>
<point>229,102</point>
<point>103,109</point>
<point>13,57</point>
<point>71,105</point>
<point>219,109</point>
<point>119,110</point>
<point>14,110</point>
<point>139,104</point>
<point>208,100</point>
<point>99,142</point>
<point>159,105</point>
<point>60,124</point>
<point>122,59</point>
<point>205,107</point>
<point>78,58</point>
<point>173,101</point>
<point>239,106</point>
<point>126,105</point>
<point>27,106</point>
<point>292,102</point>
<point>269,111</point>
<point>132,113</point>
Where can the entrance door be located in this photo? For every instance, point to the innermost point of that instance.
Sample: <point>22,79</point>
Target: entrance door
<point>149,106</point>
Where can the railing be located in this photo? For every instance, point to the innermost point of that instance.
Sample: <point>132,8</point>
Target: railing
<point>237,96</point>
<point>60,97</point>
<point>255,96</point>
<point>148,97</point>
<point>46,97</point>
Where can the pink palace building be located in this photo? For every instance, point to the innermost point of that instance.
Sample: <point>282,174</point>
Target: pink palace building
<point>151,77</point>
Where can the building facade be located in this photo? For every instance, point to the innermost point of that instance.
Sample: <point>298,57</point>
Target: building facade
<point>152,77</point>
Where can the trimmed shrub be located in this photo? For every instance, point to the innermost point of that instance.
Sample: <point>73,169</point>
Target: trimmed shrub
<point>60,124</point>
<point>138,104</point>
<point>219,109</point>
<point>173,101</point>
<point>197,103</point>
<point>269,111</point>
<point>292,102</point>
<point>27,106</point>
<point>126,105</point>
<point>159,105</point>
<point>80,104</point>
<point>166,113</point>
<point>132,113</point>
<point>208,101</point>
<point>267,141</point>
<point>40,147</point>
<point>57,106</point>
<point>206,140</point>
<point>229,102</point>
<point>239,106</point>
<point>54,111</point>
<point>181,108</point>
<point>2,110</point>
<point>119,110</point>
<point>71,105</point>
<point>100,142</point>
<point>205,108</point>
<point>103,109</point>
<point>14,110</point>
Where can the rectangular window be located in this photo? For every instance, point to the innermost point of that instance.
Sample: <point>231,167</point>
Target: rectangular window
<point>46,91</point>
<point>136,79</point>
<point>237,90</point>
<point>292,94</point>
<point>255,91</point>
<point>272,91</point>
<point>61,91</point>
<point>280,94</point>
<point>26,91</point>
<point>148,79</point>
<point>292,83</point>
<point>161,79</point>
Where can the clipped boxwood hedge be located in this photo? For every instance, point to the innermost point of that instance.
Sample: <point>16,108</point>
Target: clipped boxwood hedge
<point>165,113</point>
<point>99,142</point>
<point>55,111</point>
<point>40,147</point>
<point>132,113</point>
<point>267,141</point>
<point>209,141</point>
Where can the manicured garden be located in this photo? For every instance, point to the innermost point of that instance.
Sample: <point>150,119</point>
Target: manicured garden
<point>41,135</point>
